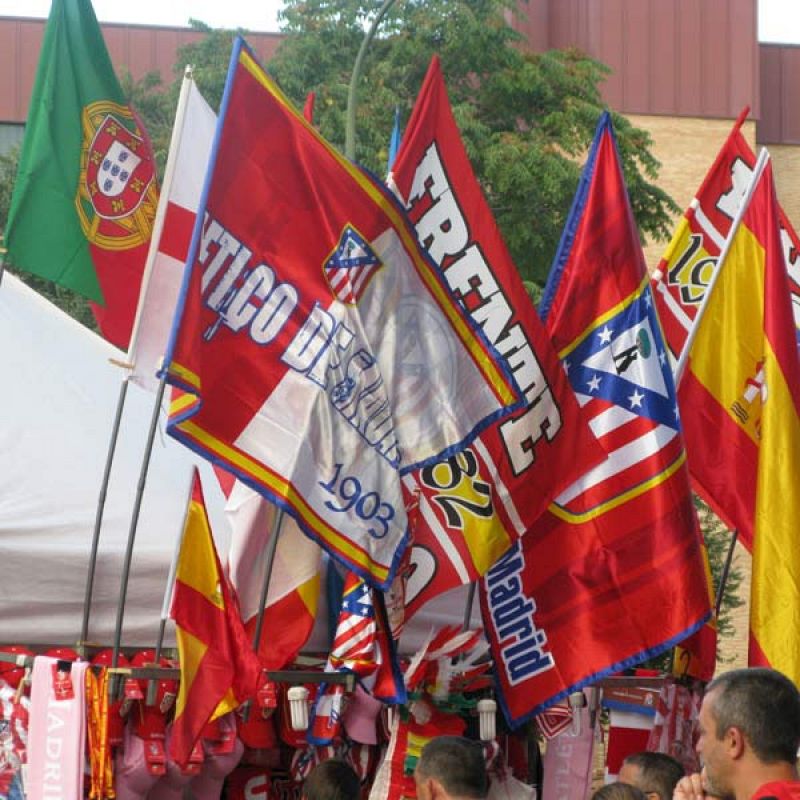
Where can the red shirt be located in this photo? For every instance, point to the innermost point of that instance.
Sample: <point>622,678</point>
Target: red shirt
<point>778,790</point>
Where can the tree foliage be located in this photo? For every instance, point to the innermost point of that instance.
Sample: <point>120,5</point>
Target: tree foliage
<point>526,119</point>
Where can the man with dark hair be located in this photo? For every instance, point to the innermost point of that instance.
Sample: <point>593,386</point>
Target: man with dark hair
<point>749,733</point>
<point>655,774</point>
<point>333,779</point>
<point>451,768</point>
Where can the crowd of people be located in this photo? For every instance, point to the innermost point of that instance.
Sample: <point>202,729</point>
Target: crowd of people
<point>749,735</point>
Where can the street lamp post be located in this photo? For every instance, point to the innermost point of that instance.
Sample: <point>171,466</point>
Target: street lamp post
<point>352,100</point>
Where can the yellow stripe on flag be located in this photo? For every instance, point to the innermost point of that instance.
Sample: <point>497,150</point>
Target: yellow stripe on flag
<point>775,591</point>
<point>308,592</point>
<point>735,316</point>
<point>190,652</point>
<point>197,565</point>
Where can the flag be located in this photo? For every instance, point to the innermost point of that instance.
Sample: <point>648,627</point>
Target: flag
<point>612,573</point>
<point>683,274</point>
<point>219,669</point>
<point>187,161</point>
<point>85,194</point>
<point>740,393</point>
<point>361,645</point>
<point>316,340</point>
<point>308,107</point>
<point>473,505</point>
<point>294,584</point>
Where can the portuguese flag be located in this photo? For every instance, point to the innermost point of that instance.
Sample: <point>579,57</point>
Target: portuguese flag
<point>85,195</point>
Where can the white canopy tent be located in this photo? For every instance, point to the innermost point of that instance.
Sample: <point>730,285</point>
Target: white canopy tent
<point>57,405</point>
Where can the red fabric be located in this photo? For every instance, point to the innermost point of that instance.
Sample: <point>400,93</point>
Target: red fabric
<point>622,543</point>
<point>432,170</point>
<point>778,790</point>
<point>228,663</point>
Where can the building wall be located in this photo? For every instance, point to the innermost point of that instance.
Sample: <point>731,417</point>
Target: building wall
<point>786,166</point>
<point>136,49</point>
<point>675,57</point>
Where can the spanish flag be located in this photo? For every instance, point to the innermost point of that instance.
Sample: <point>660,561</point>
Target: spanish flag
<point>740,402</point>
<point>219,669</point>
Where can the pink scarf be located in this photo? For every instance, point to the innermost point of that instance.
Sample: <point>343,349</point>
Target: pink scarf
<point>57,732</point>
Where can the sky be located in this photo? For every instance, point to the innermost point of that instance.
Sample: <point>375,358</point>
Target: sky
<point>779,20</point>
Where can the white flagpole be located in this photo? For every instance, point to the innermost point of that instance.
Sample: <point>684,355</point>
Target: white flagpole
<point>680,367</point>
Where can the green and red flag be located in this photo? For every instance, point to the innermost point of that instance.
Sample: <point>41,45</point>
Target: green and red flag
<point>85,195</point>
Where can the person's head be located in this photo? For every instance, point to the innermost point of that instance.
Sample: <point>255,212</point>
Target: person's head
<point>656,774</point>
<point>333,779</point>
<point>451,767</point>
<point>749,720</point>
<point>619,791</point>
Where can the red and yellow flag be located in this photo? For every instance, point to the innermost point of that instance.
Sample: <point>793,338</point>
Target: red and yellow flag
<point>219,669</point>
<point>740,401</point>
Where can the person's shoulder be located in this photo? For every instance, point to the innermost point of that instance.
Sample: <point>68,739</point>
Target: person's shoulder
<point>778,790</point>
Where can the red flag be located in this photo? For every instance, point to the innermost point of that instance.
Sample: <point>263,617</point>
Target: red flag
<point>613,573</point>
<point>686,267</point>
<point>740,393</point>
<point>474,505</point>
<point>219,669</point>
<point>308,108</point>
<point>315,337</point>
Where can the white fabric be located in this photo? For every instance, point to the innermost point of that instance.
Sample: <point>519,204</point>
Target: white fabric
<point>186,169</point>
<point>59,395</point>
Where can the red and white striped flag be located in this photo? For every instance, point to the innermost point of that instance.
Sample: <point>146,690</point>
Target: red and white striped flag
<point>189,150</point>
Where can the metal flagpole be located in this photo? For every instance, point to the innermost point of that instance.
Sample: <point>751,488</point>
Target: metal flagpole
<point>126,566</point>
<point>687,346</point>
<point>352,92</point>
<point>158,225</point>
<point>169,591</point>
<point>155,239</point>
<point>725,570</point>
<point>272,546</point>
<point>98,519</point>
<point>470,602</point>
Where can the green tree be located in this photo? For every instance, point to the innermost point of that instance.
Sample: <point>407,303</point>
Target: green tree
<point>526,119</point>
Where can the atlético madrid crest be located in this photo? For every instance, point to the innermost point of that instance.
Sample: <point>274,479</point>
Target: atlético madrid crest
<point>351,266</point>
<point>117,193</point>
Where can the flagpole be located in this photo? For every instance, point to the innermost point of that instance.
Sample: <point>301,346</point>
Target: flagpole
<point>126,566</point>
<point>470,603</point>
<point>352,92</point>
<point>169,590</point>
<point>272,546</point>
<point>98,519</point>
<point>680,367</point>
<point>725,570</point>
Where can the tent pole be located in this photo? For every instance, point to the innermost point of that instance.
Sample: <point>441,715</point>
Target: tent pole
<point>126,566</point>
<point>98,520</point>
